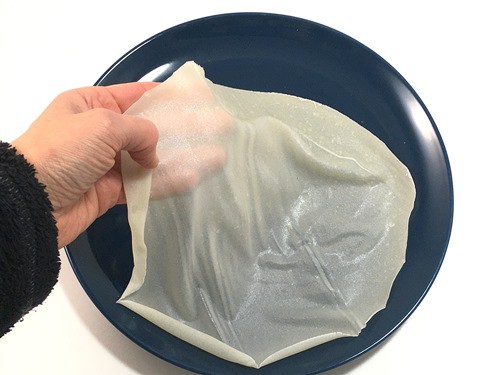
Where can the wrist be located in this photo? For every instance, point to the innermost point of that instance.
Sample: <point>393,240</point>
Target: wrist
<point>28,239</point>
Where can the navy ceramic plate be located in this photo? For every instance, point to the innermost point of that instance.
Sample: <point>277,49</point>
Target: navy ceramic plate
<point>278,53</point>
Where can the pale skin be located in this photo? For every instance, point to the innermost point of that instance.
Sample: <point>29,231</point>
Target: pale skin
<point>75,147</point>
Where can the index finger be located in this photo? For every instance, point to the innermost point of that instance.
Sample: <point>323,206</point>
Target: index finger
<point>115,97</point>
<point>126,94</point>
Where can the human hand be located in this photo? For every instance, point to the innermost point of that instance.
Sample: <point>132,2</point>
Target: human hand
<point>75,145</point>
<point>193,130</point>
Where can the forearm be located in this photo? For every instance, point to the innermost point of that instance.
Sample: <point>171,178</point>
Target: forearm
<point>29,256</point>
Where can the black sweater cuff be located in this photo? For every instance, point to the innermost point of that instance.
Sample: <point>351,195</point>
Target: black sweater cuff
<point>29,255</point>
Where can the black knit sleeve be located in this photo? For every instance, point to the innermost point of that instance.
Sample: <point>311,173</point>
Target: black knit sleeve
<point>29,255</point>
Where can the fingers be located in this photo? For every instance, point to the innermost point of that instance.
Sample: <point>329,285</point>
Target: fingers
<point>203,122</point>
<point>124,95</point>
<point>139,137</point>
<point>182,169</point>
<point>134,134</point>
<point>117,98</point>
<point>190,146</point>
<point>103,106</point>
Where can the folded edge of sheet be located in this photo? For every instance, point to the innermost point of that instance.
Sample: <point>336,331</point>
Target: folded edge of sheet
<point>137,183</point>
<point>191,335</point>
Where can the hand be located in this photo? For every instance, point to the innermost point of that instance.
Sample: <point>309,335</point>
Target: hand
<point>194,130</point>
<point>75,146</point>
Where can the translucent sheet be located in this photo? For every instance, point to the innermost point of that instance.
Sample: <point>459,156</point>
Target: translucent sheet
<point>293,237</point>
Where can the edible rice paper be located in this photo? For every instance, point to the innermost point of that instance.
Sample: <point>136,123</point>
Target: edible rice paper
<point>287,231</point>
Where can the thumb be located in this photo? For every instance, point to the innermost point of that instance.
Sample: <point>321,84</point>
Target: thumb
<point>139,137</point>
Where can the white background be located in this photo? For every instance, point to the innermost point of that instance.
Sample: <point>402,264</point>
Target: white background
<point>448,53</point>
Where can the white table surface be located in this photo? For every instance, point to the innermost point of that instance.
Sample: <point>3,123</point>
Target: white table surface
<point>448,53</point>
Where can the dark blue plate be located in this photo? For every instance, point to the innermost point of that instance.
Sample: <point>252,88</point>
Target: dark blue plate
<point>268,52</point>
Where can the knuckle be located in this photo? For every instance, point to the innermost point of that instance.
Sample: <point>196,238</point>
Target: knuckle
<point>78,98</point>
<point>68,96</point>
<point>102,123</point>
<point>102,117</point>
